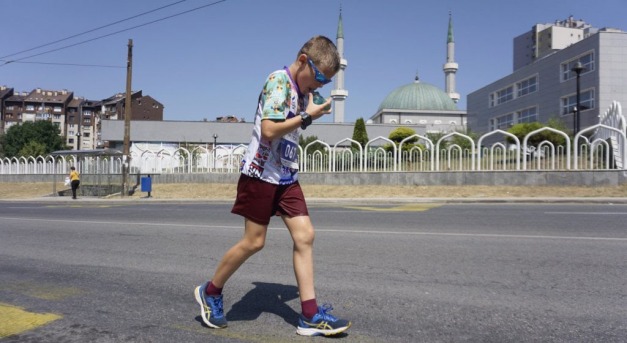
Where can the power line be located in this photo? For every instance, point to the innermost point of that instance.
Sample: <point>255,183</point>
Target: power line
<point>92,30</point>
<point>114,33</point>
<point>66,64</point>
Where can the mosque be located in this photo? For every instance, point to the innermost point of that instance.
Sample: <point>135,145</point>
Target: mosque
<point>414,104</point>
<point>418,105</point>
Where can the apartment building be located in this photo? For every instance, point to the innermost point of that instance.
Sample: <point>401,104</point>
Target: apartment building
<point>77,118</point>
<point>544,86</point>
<point>5,92</point>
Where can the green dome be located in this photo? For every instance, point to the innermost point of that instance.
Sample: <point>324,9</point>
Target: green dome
<point>418,96</point>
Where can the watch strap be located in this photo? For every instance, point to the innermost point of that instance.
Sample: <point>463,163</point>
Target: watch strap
<point>306,120</point>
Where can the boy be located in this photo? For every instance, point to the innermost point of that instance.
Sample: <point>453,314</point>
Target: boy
<point>268,185</point>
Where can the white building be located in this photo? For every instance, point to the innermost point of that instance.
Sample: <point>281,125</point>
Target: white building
<point>545,86</point>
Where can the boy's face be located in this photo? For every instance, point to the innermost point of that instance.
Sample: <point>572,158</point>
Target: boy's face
<point>312,77</point>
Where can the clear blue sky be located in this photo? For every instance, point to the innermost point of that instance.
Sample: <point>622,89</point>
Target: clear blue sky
<point>213,61</point>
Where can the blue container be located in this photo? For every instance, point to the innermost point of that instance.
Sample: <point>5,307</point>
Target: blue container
<point>146,183</point>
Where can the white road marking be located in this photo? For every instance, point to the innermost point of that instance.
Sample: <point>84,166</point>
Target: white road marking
<point>590,213</point>
<point>372,232</point>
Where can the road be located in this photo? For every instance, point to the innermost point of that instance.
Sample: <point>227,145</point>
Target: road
<point>106,271</point>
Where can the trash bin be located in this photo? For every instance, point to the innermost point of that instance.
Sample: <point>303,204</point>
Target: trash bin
<point>146,184</point>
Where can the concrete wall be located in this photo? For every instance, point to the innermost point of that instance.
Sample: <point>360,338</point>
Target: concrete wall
<point>489,178</point>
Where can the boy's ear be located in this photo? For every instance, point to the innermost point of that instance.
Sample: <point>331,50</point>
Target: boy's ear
<point>302,58</point>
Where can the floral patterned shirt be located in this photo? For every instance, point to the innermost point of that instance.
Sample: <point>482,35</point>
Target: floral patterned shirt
<point>275,161</point>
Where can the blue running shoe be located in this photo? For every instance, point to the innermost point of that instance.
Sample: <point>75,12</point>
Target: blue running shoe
<point>322,323</point>
<point>211,308</point>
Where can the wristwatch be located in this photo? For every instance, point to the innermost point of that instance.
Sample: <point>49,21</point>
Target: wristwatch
<point>305,120</point>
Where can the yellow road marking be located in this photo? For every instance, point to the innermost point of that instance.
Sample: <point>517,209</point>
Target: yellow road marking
<point>401,208</point>
<point>16,320</point>
<point>83,206</point>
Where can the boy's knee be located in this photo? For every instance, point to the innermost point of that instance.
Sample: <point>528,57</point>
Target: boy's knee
<point>305,237</point>
<point>255,245</point>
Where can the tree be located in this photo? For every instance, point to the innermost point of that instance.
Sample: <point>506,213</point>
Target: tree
<point>435,137</point>
<point>523,129</point>
<point>33,148</point>
<point>359,134</point>
<point>464,143</point>
<point>303,142</point>
<point>398,135</point>
<point>401,133</point>
<point>42,131</point>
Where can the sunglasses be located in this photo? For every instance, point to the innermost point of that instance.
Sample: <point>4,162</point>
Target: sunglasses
<point>318,75</point>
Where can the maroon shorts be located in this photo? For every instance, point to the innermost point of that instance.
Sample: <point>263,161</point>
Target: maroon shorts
<point>258,200</point>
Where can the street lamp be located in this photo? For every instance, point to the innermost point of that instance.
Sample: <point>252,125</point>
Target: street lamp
<point>78,140</point>
<point>215,142</point>
<point>578,68</point>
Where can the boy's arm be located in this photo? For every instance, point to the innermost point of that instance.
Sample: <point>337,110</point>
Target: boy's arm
<point>273,129</point>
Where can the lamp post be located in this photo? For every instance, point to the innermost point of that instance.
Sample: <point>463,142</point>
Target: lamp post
<point>215,142</point>
<point>578,68</point>
<point>78,140</point>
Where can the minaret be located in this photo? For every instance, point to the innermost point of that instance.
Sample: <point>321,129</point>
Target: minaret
<point>339,94</point>
<point>450,67</point>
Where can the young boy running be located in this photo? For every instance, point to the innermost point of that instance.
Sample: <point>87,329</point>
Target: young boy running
<point>268,185</point>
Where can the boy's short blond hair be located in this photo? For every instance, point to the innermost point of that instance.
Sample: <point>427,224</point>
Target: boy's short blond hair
<point>322,52</point>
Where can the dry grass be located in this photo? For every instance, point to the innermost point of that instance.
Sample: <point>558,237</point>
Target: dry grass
<point>227,191</point>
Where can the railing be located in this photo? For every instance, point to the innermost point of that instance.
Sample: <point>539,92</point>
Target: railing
<point>604,149</point>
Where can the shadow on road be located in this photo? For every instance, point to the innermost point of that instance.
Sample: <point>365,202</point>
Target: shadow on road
<point>266,297</point>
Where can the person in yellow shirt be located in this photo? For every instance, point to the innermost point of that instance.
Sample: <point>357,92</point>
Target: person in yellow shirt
<point>75,181</point>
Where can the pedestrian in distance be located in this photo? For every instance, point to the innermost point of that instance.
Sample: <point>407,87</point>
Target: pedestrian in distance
<point>268,185</point>
<point>75,181</point>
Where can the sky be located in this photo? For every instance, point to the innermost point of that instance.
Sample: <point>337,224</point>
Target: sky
<point>213,60</point>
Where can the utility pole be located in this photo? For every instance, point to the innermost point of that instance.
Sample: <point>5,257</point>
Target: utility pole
<point>126,165</point>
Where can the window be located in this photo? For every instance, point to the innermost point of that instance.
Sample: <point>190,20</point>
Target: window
<point>587,62</point>
<point>10,108</point>
<point>492,102</point>
<point>570,102</point>
<point>528,115</point>
<point>57,109</point>
<point>505,95</point>
<point>527,86</point>
<point>30,107</point>
<point>505,122</point>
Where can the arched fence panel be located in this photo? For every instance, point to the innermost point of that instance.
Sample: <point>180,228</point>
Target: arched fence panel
<point>598,147</point>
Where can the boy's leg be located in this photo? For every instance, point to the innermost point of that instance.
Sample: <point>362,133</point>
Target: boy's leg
<point>253,241</point>
<point>211,305</point>
<point>317,321</point>
<point>302,232</point>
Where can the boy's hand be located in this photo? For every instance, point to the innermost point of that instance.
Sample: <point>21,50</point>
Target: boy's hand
<point>317,111</point>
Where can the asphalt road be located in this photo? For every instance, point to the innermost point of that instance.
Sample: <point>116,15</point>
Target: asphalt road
<point>125,272</point>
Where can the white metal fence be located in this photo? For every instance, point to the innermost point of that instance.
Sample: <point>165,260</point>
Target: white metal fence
<point>599,147</point>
